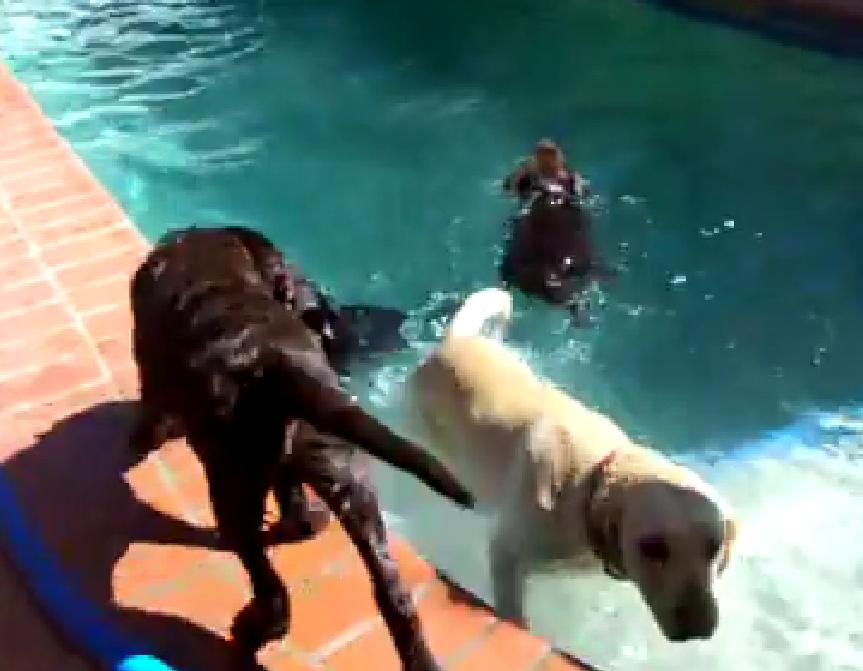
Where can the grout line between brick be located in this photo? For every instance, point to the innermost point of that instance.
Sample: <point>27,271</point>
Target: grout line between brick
<point>168,585</point>
<point>11,237</point>
<point>4,263</point>
<point>19,146</point>
<point>26,282</point>
<point>95,258</point>
<point>7,375</point>
<point>88,235</point>
<point>60,291</point>
<point>49,400</point>
<point>65,219</point>
<point>34,340</point>
<point>460,653</point>
<point>44,205</point>
<point>11,161</point>
<point>100,310</point>
<point>541,663</point>
<point>76,159</point>
<point>106,279</point>
<point>38,305</point>
<point>343,640</point>
<point>29,174</point>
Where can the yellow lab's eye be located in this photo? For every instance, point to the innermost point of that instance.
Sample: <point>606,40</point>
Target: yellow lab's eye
<point>654,549</point>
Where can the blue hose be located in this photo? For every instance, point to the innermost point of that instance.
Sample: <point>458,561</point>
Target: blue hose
<point>83,623</point>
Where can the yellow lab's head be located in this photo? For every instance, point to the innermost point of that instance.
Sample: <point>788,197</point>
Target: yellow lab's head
<point>672,540</point>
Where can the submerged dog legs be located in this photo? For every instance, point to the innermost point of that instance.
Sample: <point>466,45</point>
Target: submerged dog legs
<point>354,501</point>
<point>238,504</point>
<point>508,580</point>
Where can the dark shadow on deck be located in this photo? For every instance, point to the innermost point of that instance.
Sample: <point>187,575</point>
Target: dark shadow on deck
<point>71,485</point>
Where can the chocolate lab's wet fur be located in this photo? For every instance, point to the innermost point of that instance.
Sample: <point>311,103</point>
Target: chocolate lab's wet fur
<point>550,254</point>
<point>347,332</point>
<point>224,354</point>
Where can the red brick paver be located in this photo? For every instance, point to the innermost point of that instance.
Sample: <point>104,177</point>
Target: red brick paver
<point>137,536</point>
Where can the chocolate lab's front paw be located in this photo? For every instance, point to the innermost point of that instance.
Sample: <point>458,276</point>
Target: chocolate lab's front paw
<point>261,621</point>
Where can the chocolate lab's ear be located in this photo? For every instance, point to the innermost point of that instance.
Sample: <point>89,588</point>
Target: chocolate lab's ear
<point>730,536</point>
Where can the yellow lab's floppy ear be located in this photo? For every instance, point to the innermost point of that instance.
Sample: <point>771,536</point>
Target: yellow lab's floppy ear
<point>728,542</point>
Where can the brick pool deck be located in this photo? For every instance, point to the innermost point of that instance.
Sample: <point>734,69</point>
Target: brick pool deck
<point>136,538</point>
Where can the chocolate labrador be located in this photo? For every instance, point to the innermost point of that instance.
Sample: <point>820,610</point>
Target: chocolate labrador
<point>224,353</point>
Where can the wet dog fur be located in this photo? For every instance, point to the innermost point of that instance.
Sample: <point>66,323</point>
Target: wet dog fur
<point>225,358</point>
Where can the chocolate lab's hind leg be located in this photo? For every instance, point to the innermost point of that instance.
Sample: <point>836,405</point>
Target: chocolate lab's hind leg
<point>301,518</point>
<point>354,502</point>
<point>154,424</point>
<point>237,494</point>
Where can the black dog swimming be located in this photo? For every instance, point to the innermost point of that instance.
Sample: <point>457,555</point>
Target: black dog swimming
<point>226,357</point>
<point>550,252</point>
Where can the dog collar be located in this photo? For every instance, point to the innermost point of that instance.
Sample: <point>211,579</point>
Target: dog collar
<point>599,538</point>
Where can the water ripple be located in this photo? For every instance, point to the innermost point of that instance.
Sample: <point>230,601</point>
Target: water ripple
<point>138,59</point>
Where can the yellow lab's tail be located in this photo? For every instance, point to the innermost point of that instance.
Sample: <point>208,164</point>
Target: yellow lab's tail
<point>487,310</point>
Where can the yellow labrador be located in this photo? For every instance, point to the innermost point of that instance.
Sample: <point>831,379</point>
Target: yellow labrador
<point>569,488</point>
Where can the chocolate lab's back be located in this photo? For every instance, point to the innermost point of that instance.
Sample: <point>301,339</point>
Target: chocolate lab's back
<point>346,332</point>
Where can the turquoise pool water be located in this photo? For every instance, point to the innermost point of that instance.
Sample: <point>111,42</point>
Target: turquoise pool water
<point>367,141</point>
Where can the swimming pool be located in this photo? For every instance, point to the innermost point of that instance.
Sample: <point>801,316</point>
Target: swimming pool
<point>367,142</point>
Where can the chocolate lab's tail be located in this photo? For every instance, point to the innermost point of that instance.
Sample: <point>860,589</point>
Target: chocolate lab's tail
<point>484,310</point>
<point>356,425</point>
<point>329,409</point>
